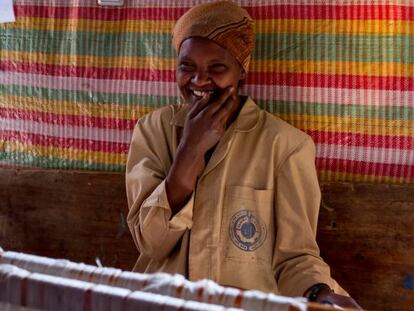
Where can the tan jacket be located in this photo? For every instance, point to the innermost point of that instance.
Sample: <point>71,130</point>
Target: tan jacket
<point>251,222</point>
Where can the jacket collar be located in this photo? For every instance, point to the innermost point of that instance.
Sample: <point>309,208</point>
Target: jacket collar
<point>245,122</point>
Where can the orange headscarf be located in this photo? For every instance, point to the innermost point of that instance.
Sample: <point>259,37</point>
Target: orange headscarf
<point>223,22</point>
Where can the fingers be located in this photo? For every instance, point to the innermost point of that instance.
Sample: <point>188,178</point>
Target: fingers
<point>342,301</point>
<point>199,105</point>
<point>218,110</point>
<point>221,109</point>
<point>223,98</point>
<point>226,109</point>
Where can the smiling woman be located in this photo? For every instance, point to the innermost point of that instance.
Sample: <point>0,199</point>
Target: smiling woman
<point>205,69</point>
<point>218,188</point>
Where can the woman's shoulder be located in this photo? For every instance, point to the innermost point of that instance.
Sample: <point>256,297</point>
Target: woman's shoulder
<point>158,114</point>
<point>161,117</point>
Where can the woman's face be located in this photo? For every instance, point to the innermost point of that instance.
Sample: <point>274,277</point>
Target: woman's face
<point>204,66</point>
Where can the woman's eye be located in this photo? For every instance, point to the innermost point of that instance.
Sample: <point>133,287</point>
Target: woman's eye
<point>218,68</point>
<point>186,67</point>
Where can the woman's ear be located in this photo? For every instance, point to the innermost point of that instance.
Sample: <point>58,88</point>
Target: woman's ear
<point>242,78</point>
<point>243,75</point>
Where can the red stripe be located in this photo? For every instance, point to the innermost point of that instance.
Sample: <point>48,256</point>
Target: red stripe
<point>99,13</point>
<point>362,12</point>
<point>261,78</point>
<point>366,168</point>
<point>336,12</point>
<point>364,140</point>
<point>332,81</point>
<point>59,142</point>
<point>67,119</point>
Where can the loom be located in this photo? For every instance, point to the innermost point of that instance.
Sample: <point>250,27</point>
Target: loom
<point>37,282</point>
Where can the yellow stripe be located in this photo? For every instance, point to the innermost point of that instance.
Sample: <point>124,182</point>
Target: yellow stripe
<point>97,61</point>
<point>153,63</point>
<point>332,26</point>
<point>353,125</point>
<point>64,153</point>
<point>74,108</point>
<point>89,25</point>
<point>322,26</point>
<point>331,176</point>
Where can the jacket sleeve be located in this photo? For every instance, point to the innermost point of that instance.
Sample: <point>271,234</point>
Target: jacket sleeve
<point>154,232</point>
<point>296,261</point>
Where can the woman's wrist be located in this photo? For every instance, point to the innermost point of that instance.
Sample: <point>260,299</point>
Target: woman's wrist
<point>192,154</point>
<point>322,293</point>
<point>317,292</point>
<point>182,177</point>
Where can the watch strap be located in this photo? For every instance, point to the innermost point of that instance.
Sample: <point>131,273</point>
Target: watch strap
<point>313,292</point>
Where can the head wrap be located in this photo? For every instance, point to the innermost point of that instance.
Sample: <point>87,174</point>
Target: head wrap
<point>223,22</point>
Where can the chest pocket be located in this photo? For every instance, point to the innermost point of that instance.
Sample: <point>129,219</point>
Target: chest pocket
<point>247,229</point>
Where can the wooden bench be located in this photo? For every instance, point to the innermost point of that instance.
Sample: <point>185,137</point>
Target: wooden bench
<point>365,231</point>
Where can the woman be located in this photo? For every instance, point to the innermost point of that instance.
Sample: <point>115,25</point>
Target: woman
<point>218,188</point>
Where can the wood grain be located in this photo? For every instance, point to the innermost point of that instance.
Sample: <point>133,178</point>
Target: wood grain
<point>61,214</point>
<point>366,235</point>
<point>365,231</point>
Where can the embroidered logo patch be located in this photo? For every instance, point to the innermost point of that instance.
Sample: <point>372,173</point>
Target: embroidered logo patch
<point>247,231</point>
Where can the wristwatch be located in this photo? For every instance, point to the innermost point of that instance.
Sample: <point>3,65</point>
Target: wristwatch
<point>313,292</point>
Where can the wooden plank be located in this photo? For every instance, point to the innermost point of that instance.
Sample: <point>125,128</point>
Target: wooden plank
<point>365,231</point>
<point>63,214</point>
<point>366,235</point>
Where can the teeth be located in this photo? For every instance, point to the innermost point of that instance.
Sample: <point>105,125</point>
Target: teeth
<point>201,93</point>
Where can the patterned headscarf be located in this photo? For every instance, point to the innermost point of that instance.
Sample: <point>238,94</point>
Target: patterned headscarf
<point>223,22</point>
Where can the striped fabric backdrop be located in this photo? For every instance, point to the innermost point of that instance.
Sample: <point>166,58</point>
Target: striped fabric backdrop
<point>75,77</point>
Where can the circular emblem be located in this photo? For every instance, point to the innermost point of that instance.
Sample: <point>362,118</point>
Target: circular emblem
<point>247,231</point>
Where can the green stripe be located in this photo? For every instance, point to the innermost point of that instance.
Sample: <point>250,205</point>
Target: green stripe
<point>282,46</point>
<point>337,110</point>
<point>88,43</point>
<point>27,159</point>
<point>274,106</point>
<point>318,47</point>
<point>87,97</point>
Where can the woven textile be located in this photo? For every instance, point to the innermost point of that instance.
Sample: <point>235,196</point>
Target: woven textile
<point>75,77</point>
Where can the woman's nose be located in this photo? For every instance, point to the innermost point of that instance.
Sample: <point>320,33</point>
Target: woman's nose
<point>201,78</point>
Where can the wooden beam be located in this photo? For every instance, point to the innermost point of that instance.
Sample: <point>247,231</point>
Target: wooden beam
<point>79,216</point>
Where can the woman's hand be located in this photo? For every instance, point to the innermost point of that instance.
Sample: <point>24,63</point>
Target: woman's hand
<point>339,300</point>
<point>323,294</point>
<point>207,121</point>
